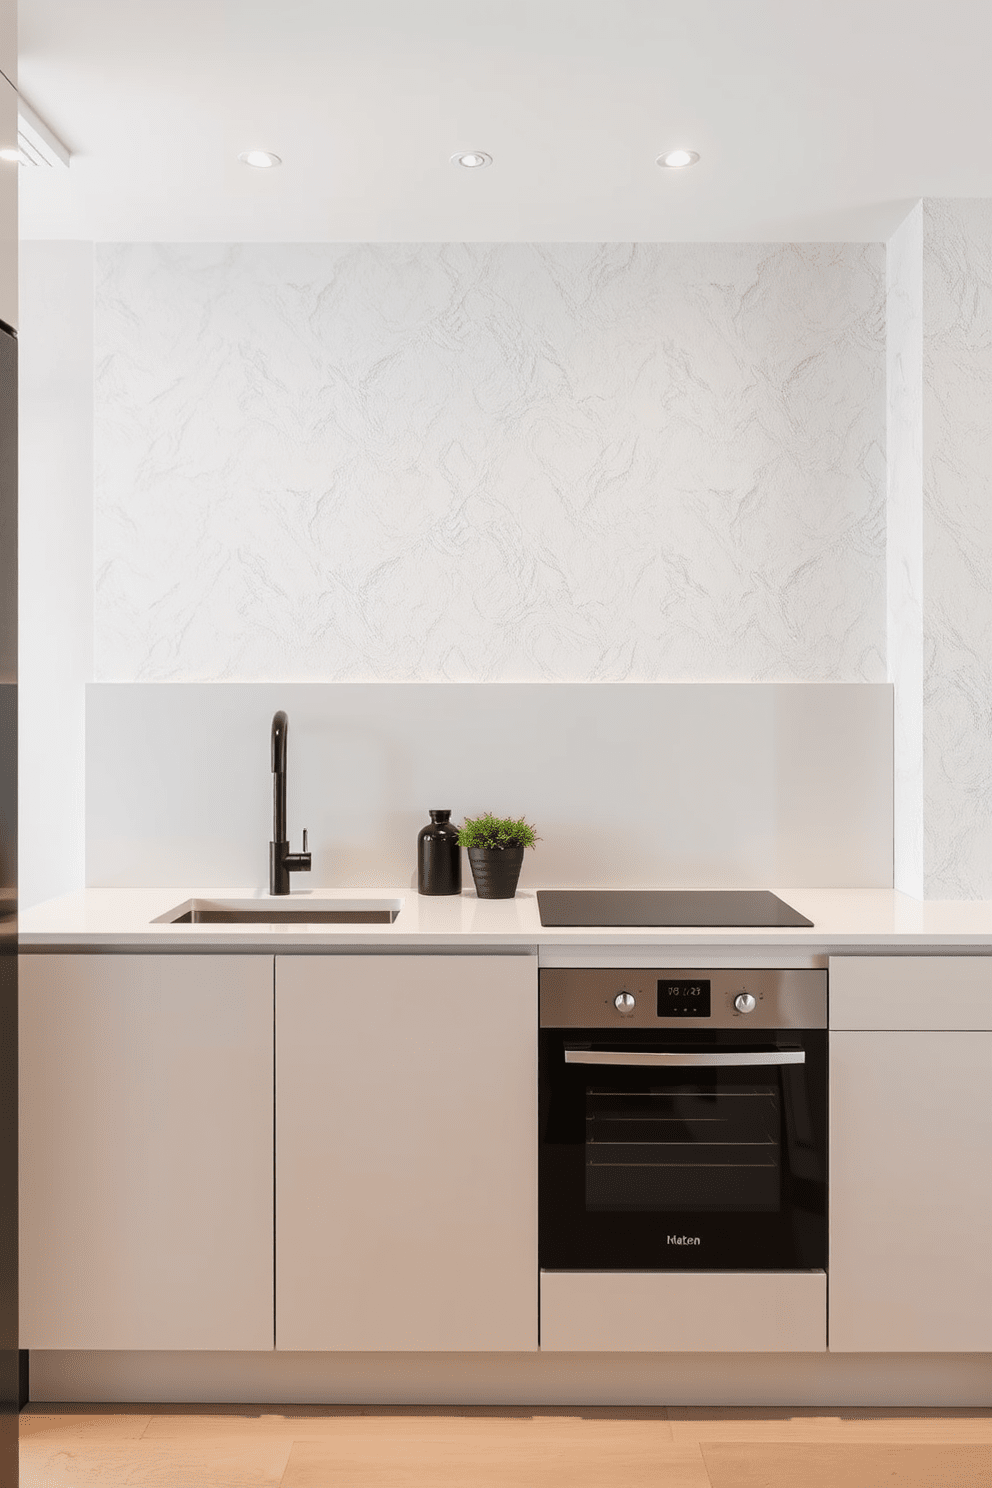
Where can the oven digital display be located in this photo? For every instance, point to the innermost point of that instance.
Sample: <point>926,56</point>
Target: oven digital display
<point>684,999</point>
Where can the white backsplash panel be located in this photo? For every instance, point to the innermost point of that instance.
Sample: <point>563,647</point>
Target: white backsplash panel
<point>471,462</point>
<point>701,785</point>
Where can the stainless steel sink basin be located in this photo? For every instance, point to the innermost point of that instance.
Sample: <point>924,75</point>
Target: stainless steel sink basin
<point>273,912</point>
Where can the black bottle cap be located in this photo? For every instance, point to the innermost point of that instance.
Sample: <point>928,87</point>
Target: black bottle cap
<point>440,815</point>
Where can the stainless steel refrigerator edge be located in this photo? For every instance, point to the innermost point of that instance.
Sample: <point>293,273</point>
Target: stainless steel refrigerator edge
<point>10,1372</point>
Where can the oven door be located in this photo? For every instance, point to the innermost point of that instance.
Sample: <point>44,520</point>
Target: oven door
<point>688,1150</point>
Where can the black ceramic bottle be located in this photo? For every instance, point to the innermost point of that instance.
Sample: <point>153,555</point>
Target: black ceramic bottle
<point>439,858</point>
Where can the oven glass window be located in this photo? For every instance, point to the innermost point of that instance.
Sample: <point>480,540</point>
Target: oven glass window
<point>715,1163</point>
<point>695,1147</point>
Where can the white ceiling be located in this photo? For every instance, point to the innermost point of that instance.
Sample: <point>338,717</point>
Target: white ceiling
<point>815,119</point>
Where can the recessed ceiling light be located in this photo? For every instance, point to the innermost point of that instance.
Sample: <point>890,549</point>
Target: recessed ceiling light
<point>472,159</point>
<point>677,159</point>
<point>261,159</point>
<point>10,152</point>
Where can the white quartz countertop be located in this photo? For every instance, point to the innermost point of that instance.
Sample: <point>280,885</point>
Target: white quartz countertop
<point>125,917</point>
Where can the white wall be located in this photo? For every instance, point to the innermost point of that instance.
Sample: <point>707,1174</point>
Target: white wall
<point>8,189</point>
<point>957,547</point>
<point>940,546</point>
<point>696,784</point>
<point>56,560</point>
<point>904,553</point>
<point>565,462</point>
<point>8,169</point>
<point>8,40</point>
<point>557,462</point>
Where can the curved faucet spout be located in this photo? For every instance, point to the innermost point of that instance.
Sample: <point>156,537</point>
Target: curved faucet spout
<point>282,862</point>
<point>280,728</point>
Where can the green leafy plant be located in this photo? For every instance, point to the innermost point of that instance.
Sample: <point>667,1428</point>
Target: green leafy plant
<point>496,831</point>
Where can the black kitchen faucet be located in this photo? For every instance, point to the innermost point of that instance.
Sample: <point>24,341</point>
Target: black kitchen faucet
<point>282,862</point>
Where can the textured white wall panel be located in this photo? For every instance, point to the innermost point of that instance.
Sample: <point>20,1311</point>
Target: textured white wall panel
<point>957,547</point>
<point>904,446</point>
<point>471,462</point>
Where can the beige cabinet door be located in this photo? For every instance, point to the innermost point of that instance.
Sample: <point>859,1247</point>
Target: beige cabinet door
<point>146,1152</point>
<point>406,1152</point>
<point>910,1192</point>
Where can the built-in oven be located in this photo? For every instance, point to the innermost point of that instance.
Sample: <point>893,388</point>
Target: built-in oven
<point>683,1121</point>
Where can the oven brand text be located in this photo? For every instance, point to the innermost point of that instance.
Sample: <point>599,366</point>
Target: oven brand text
<point>684,1240</point>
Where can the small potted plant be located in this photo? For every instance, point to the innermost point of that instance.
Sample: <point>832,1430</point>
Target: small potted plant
<point>496,852</point>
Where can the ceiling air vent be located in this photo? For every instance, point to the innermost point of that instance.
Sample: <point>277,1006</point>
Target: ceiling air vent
<point>36,142</point>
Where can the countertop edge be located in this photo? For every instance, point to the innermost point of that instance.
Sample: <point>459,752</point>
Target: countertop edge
<point>284,939</point>
<point>866,921</point>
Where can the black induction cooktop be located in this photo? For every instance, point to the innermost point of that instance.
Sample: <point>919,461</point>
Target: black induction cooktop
<point>750,908</point>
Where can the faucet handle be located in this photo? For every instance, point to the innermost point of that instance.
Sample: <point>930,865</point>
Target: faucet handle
<point>306,841</point>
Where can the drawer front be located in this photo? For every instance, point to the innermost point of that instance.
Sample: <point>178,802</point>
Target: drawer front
<point>911,993</point>
<point>661,1311</point>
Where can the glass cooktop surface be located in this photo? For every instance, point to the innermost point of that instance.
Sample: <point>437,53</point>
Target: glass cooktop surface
<point>654,908</point>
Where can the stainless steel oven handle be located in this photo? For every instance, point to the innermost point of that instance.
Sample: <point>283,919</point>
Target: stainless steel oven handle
<point>601,1056</point>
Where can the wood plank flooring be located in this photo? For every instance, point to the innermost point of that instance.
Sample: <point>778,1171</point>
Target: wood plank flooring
<point>196,1446</point>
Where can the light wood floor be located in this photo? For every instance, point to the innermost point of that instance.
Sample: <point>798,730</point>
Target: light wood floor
<point>493,1447</point>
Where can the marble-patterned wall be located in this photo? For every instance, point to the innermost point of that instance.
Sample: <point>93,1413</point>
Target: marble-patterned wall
<point>561,462</point>
<point>957,547</point>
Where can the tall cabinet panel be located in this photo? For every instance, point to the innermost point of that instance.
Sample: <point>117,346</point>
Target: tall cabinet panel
<point>406,1152</point>
<point>146,1152</point>
<point>10,1381</point>
<point>910,1145</point>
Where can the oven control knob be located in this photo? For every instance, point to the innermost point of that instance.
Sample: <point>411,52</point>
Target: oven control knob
<point>744,1002</point>
<point>625,1002</point>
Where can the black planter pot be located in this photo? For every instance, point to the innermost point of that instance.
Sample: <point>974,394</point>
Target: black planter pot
<point>496,870</point>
